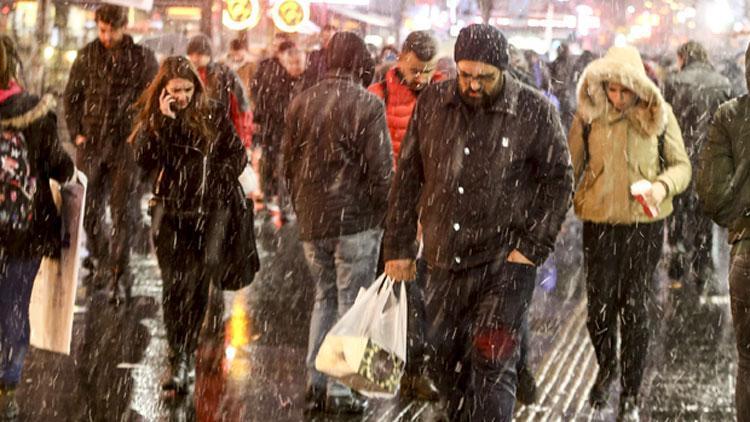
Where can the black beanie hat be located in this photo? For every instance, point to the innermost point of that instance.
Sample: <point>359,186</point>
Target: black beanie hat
<point>199,44</point>
<point>347,52</point>
<point>482,43</point>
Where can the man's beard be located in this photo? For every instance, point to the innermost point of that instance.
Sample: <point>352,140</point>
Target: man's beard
<point>481,99</point>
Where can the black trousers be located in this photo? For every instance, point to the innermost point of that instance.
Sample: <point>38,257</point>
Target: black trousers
<point>620,262</point>
<point>739,288</point>
<point>690,235</point>
<point>180,249</point>
<point>112,180</point>
<point>474,319</point>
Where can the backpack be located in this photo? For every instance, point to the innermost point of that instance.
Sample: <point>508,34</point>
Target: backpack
<point>17,186</point>
<point>587,132</point>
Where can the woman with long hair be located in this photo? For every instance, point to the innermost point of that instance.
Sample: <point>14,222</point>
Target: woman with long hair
<point>196,156</point>
<point>30,226</point>
<point>629,161</point>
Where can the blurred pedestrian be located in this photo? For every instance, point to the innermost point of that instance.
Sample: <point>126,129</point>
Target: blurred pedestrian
<point>106,79</point>
<point>723,185</point>
<point>622,132</point>
<point>191,143</point>
<point>474,146</point>
<point>414,71</point>
<point>223,85</point>
<point>338,167</point>
<point>241,62</point>
<point>561,71</point>
<point>695,92</point>
<point>275,92</point>
<point>317,67</point>
<point>30,225</point>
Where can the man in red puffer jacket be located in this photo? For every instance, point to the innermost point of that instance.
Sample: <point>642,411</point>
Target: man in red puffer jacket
<point>415,69</point>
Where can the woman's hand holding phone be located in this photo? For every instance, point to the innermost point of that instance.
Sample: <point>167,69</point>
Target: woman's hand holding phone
<point>165,104</point>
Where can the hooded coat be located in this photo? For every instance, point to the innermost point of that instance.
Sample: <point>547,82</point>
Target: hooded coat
<point>623,147</point>
<point>35,118</point>
<point>723,175</point>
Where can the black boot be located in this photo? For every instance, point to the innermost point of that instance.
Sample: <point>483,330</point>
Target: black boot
<point>177,377</point>
<point>8,405</point>
<point>119,289</point>
<point>526,389</point>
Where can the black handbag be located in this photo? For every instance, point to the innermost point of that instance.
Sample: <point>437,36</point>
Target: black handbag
<point>231,250</point>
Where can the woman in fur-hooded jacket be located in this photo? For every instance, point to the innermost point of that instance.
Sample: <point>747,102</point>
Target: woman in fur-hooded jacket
<point>30,227</point>
<point>623,133</point>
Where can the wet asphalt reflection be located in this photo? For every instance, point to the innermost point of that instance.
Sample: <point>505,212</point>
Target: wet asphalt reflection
<point>250,364</point>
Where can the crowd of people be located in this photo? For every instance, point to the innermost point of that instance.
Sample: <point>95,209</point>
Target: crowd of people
<point>454,176</point>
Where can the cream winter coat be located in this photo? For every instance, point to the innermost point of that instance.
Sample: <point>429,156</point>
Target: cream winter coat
<point>623,146</point>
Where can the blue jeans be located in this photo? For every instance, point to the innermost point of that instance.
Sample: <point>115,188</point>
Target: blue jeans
<point>16,281</point>
<point>340,267</point>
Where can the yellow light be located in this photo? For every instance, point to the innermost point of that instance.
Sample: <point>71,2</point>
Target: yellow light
<point>48,53</point>
<point>289,15</point>
<point>239,15</point>
<point>184,12</point>
<point>71,55</point>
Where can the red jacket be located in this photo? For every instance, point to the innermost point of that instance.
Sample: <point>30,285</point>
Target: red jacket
<point>399,105</point>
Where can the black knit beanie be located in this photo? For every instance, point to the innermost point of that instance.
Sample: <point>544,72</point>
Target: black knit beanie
<point>482,43</point>
<point>199,44</point>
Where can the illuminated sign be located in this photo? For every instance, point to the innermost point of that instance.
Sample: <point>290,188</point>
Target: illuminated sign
<point>288,15</point>
<point>241,14</point>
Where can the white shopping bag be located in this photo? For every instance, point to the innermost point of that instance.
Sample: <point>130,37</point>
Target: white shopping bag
<point>53,296</point>
<point>366,349</point>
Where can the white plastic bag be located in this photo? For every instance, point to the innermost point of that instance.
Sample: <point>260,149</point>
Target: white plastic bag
<point>54,292</point>
<point>366,349</point>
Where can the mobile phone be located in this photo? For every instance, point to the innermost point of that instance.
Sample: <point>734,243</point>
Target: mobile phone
<point>173,107</point>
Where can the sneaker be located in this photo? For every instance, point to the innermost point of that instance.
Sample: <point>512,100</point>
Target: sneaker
<point>8,405</point>
<point>628,409</point>
<point>599,394</point>
<point>352,404</point>
<point>526,389</point>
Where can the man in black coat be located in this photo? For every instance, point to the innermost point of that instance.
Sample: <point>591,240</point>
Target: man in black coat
<point>275,90</point>
<point>338,166</point>
<point>695,93</point>
<point>485,168</point>
<point>107,77</point>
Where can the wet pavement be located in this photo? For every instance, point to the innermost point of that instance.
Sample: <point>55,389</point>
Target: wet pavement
<point>251,363</point>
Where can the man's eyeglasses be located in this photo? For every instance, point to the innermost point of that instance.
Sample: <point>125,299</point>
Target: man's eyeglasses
<point>484,78</point>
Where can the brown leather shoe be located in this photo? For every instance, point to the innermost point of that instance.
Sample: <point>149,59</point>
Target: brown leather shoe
<point>419,387</point>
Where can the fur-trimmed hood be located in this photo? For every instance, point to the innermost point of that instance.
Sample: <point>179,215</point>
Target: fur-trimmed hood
<point>622,65</point>
<point>21,110</point>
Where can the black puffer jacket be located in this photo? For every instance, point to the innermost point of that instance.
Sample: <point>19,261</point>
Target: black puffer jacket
<point>337,159</point>
<point>35,118</point>
<point>193,174</point>
<point>481,182</point>
<point>102,87</point>
<point>695,93</point>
